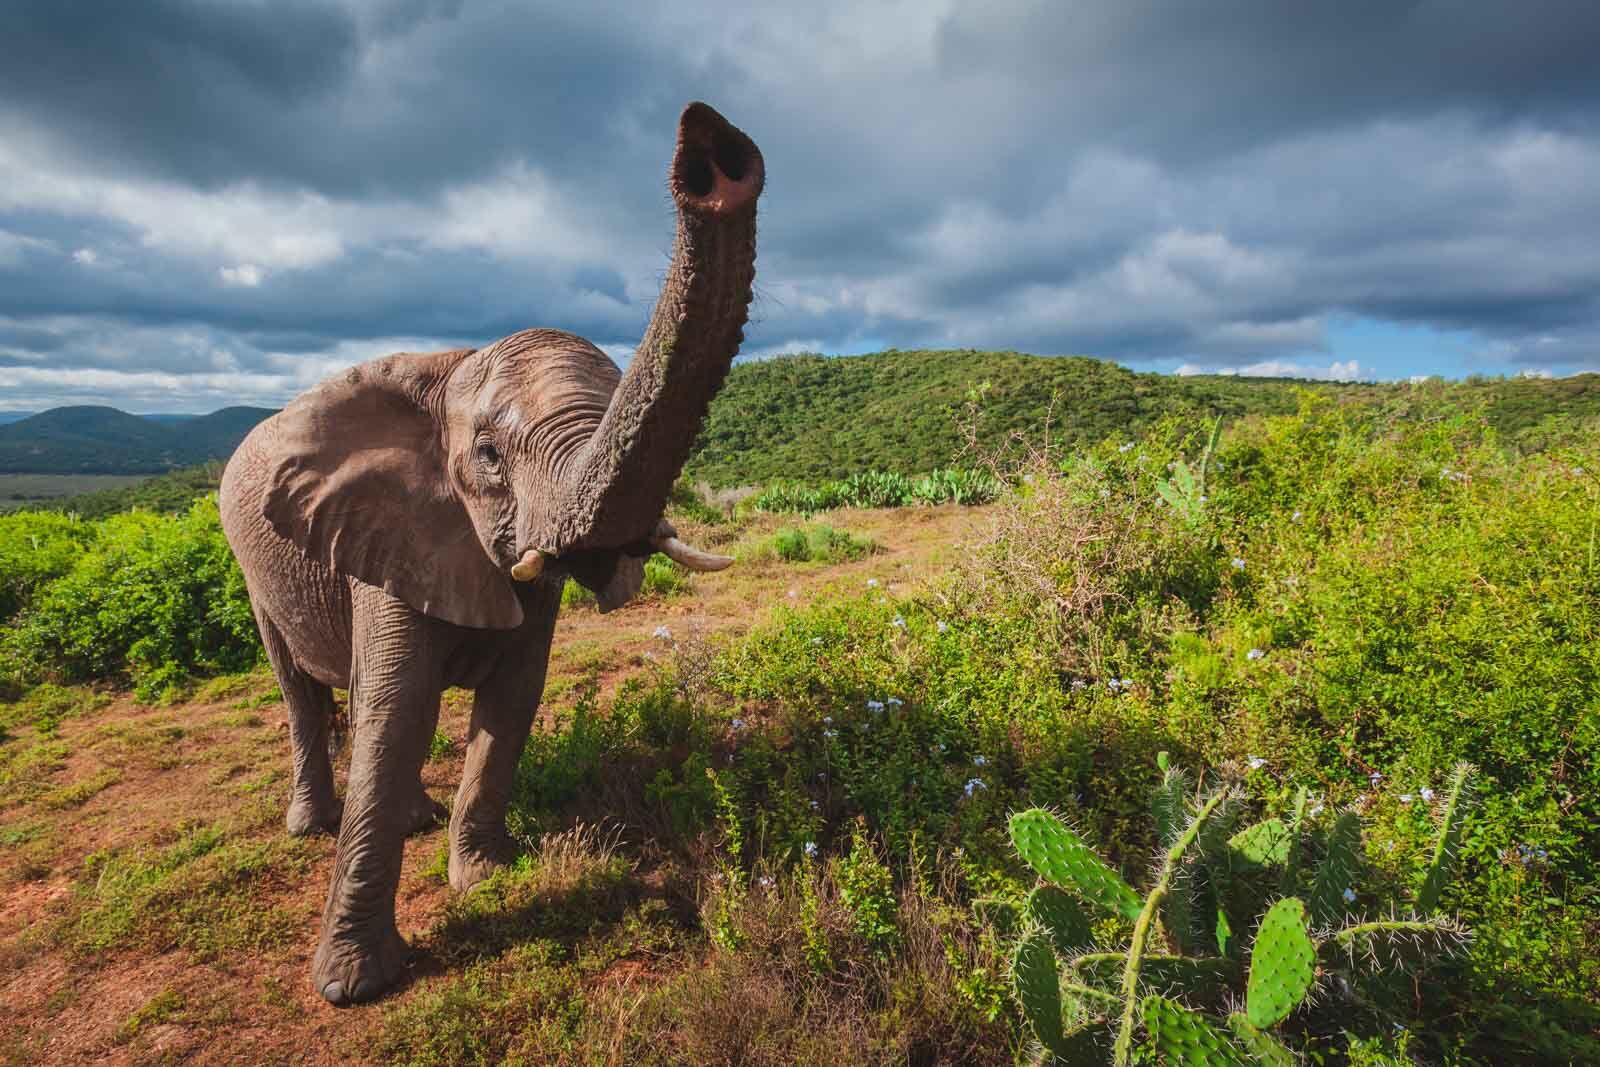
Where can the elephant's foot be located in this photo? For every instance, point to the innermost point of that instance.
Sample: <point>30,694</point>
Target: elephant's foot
<point>471,864</point>
<point>423,812</point>
<point>352,971</point>
<point>309,816</point>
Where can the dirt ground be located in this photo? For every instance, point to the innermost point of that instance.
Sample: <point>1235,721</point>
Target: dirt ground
<point>125,783</point>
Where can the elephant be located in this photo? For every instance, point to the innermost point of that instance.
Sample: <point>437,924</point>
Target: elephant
<point>407,526</point>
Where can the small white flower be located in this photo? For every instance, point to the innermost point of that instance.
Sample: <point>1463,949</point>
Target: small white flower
<point>1104,493</point>
<point>1406,798</point>
<point>1577,470</point>
<point>830,734</point>
<point>815,806</point>
<point>816,640</point>
<point>828,719</point>
<point>979,761</point>
<point>1316,809</point>
<point>765,881</point>
<point>1127,683</point>
<point>737,724</point>
<point>1349,896</point>
<point>662,634</point>
<point>1375,777</point>
<point>894,702</point>
<point>874,705</point>
<point>793,593</point>
<point>1256,763</point>
<point>941,626</point>
<point>1126,447</point>
<point>811,846</point>
<point>899,622</point>
<point>1427,795</point>
<point>1297,516</point>
<point>872,583</point>
<point>1238,564</point>
<point>1254,653</point>
<point>973,785</point>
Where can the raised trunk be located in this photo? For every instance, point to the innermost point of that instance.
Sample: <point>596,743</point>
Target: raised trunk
<point>620,483</point>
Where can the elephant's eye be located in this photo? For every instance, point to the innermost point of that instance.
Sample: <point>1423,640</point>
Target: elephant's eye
<point>488,454</point>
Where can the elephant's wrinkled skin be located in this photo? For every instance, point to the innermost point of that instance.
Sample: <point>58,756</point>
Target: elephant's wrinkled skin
<point>379,518</point>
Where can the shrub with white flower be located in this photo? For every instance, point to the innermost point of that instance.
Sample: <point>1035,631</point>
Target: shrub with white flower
<point>1256,763</point>
<point>941,626</point>
<point>1349,896</point>
<point>661,633</point>
<point>1427,795</point>
<point>979,761</point>
<point>1238,564</point>
<point>1254,653</point>
<point>737,724</point>
<point>810,848</point>
<point>872,583</point>
<point>973,785</point>
<point>874,705</point>
<point>899,622</point>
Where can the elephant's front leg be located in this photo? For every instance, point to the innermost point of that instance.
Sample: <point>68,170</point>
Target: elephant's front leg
<point>394,695</point>
<point>502,714</point>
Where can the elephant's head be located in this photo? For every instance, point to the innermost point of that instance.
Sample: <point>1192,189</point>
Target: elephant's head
<point>443,478</point>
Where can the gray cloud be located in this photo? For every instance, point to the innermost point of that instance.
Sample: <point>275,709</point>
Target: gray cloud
<point>191,190</point>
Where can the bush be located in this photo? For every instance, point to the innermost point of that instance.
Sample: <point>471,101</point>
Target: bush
<point>35,549</point>
<point>155,599</point>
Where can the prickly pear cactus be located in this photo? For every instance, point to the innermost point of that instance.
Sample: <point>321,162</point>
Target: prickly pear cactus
<point>1267,1050</point>
<point>1264,844</point>
<point>1282,964</point>
<point>1060,856</point>
<point>1297,828</point>
<point>1056,911</point>
<point>1186,1039</point>
<point>1458,801</point>
<point>1338,870</point>
<point>1038,985</point>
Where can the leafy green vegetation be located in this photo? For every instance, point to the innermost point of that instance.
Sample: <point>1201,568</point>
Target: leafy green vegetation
<point>1359,603</point>
<point>151,598</point>
<point>880,489</point>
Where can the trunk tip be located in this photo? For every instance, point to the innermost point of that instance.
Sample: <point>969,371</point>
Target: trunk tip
<point>717,170</point>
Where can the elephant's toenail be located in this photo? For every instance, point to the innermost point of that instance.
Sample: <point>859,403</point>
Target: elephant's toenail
<point>333,993</point>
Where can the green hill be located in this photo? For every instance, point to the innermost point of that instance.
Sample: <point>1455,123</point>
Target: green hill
<point>812,417</point>
<point>103,440</point>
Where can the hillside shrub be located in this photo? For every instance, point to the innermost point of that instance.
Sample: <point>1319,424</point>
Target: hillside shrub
<point>36,548</point>
<point>155,599</point>
<point>818,543</point>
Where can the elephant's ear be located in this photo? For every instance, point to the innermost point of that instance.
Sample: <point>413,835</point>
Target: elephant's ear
<point>356,479</point>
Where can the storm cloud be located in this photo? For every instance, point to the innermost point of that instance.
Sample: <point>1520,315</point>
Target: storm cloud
<point>209,203</point>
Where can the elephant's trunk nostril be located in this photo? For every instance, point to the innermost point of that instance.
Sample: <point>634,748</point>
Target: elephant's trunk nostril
<point>717,170</point>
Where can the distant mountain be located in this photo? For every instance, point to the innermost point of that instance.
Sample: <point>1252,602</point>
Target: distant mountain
<point>15,416</point>
<point>103,440</point>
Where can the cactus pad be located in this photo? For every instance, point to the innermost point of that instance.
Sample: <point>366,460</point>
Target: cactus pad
<point>1038,985</point>
<point>1061,857</point>
<point>1457,802</point>
<point>1266,1049</point>
<point>1058,913</point>
<point>1282,964</point>
<point>1264,844</point>
<point>1185,1038</point>
<point>1337,872</point>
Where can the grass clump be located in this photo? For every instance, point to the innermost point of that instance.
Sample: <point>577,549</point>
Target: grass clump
<point>818,543</point>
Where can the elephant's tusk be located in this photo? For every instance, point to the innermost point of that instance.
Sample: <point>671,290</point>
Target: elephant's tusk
<point>689,556</point>
<point>529,567</point>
